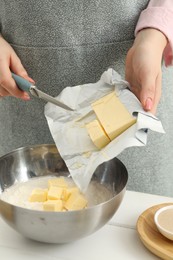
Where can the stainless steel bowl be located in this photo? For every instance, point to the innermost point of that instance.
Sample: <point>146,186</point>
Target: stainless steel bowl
<point>57,227</point>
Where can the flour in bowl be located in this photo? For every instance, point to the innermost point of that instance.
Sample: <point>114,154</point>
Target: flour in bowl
<point>19,193</point>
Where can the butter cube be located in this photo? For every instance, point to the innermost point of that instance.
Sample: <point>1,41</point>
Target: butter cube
<point>53,205</point>
<point>58,182</point>
<point>38,195</point>
<point>68,192</point>
<point>54,193</point>
<point>76,201</point>
<point>97,134</point>
<point>73,190</point>
<point>112,115</point>
<point>65,194</point>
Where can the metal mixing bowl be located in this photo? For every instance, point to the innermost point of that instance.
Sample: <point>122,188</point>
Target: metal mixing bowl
<point>57,227</point>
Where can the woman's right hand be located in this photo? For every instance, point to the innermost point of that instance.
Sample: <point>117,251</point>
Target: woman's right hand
<point>9,61</point>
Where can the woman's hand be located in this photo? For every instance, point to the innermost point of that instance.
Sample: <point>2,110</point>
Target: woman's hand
<point>143,67</point>
<point>9,61</point>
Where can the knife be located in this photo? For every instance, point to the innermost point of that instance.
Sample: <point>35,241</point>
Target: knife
<point>27,86</point>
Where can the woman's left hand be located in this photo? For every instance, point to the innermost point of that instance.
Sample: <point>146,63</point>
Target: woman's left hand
<point>143,67</point>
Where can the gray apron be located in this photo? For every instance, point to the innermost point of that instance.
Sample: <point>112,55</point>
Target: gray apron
<point>67,43</point>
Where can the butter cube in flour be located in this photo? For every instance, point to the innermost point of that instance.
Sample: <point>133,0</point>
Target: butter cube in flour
<point>54,193</point>
<point>73,190</point>
<point>97,134</point>
<point>67,192</point>
<point>53,205</point>
<point>59,198</point>
<point>112,115</point>
<point>38,195</point>
<point>76,201</point>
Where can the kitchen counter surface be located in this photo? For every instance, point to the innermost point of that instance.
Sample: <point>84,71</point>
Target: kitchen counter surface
<point>116,240</point>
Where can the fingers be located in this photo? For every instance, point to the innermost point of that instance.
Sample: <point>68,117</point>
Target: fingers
<point>150,92</point>
<point>158,91</point>
<point>9,61</point>
<point>8,86</point>
<point>147,92</point>
<point>3,92</point>
<point>17,67</point>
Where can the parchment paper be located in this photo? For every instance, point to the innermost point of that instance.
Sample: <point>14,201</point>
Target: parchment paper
<point>71,137</point>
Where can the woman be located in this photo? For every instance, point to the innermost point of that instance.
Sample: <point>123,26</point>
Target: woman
<point>71,43</point>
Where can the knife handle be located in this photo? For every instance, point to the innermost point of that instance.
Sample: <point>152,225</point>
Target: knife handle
<point>22,83</point>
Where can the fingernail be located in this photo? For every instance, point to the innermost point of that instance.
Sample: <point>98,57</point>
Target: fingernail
<point>31,80</point>
<point>26,96</point>
<point>148,104</point>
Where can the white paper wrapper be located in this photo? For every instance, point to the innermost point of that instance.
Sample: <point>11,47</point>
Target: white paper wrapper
<point>71,137</point>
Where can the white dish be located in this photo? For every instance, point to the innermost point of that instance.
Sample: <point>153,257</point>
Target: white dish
<point>163,219</point>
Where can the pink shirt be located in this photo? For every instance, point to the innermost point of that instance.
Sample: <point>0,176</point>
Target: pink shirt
<point>159,15</point>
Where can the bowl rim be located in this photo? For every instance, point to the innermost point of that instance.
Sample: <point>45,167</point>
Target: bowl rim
<point>27,147</point>
<point>156,216</point>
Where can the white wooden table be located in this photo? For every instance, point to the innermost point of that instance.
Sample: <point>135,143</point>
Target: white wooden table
<point>116,240</point>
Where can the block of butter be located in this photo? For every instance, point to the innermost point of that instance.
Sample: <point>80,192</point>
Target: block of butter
<point>38,195</point>
<point>55,193</point>
<point>68,191</point>
<point>59,198</point>
<point>53,205</point>
<point>76,201</point>
<point>97,134</point>
<point>112,116</point>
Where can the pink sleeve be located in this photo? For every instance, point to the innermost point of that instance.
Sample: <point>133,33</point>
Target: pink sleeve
<point>159,15</point>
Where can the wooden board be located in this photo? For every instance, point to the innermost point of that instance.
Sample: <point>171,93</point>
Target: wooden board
<point>151,237</point>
